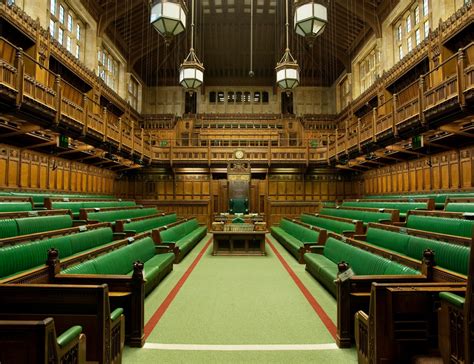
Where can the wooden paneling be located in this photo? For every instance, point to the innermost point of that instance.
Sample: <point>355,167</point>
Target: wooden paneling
<point>451,170</point>
<point>25,169</point>
<point>292,209</point>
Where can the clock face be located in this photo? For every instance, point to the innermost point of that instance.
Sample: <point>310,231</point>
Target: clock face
<point>239,154</point>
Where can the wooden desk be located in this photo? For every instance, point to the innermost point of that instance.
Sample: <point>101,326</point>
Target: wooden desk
<point>238,242</point>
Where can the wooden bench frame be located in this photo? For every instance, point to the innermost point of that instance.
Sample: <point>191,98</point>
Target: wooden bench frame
<point>119,224</point>
<point>395,213</point>
<point>126,291</point>
<point>358,224</point>
<point>353,294</point>
<point>38,339</point>
<point>85,305</point>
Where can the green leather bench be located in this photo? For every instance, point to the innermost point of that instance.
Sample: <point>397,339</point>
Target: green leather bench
<point>120,262</point>
<point>366,215</point>
<point>182,237</point>
<point>34,224</point>
<point>459,205</point>
<point>15,206</point>
<point>142,224</point>
<point>75,205</point>
<point>323,264</point>
<point>450,256</point>
<point>442,224</point>
<point>402,206</point>
<point>112,214</point>
<point>25,256</point>
<point>297,237</point>
<point>338,225</point>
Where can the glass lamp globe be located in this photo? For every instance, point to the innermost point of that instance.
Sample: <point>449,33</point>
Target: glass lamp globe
<point>168,17</point>
<point>310,19</point>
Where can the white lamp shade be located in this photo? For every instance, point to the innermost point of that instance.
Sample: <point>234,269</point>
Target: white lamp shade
<point>168,18</point>
<point>310,19</point>
<point>288,77</point>
<point>191,77</point>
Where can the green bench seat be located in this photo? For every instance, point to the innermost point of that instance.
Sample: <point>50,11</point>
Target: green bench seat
<point>459,207</point>
<point>15,206</point>
<point>120,262</point>
<point>294,236</point>
<point>76,206</point>
<point>112,216</point>
<point>324,266</point>
<point>441,225</point>
<point>141,226</point>
<point>365,216</point>
<point>403,207</point>
<point>339,227</point>
<point>35,224</point>
<point>449,256</point>
<point>25,256</point>
<point>184,236</point>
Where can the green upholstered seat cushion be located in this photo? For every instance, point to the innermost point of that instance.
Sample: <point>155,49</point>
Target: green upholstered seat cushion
<point>403,207</point>
<point>111,216</point>
<point>149,224</point>
<point>8,228</point>
<point>449,256</point>
<point>388,240</point>
<point>90,239</point>
<point>450,226</point>
<point>157,264</point>
<point>31,225</point>
<point>15,206</point>
<point>332,225</point>
<point>115,314</point>
<point>452,298</point>
<point>365,216</point>
<point>301,233</point>
<point>460,207</point>
<point>292,243</point>
<point>175,233</point>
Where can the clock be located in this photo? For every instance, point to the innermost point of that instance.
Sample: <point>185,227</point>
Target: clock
<point>239,154</point>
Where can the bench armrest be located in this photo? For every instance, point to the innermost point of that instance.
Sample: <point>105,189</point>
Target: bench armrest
<point>171,244</point>
<point>318,249</point>
<point>453,299</point>
<point>116,314</point>
<point>79,222</point>
<point>160,249</point>
<point>360,237</point>
<point>69,335</point>
<point>119,236</point>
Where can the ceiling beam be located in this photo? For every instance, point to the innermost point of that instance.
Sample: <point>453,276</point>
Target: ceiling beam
<point>111,14</point>
<point>364,14</point>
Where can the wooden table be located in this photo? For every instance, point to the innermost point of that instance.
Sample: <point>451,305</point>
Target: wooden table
<point>238,242</point>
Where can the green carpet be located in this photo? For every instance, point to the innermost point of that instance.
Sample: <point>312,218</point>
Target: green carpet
<point>238,301</point>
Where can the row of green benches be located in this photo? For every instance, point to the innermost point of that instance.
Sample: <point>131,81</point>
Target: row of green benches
<point>439,198</point>
<point>38,198</point>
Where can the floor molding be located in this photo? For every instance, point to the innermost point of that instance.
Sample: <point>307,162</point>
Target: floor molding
<point>276,347</point>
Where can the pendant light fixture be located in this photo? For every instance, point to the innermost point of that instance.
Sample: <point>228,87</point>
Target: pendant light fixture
<point>168,17</point>
<point>191,71</point>
<point>310,19</point>
<point>287,70</point>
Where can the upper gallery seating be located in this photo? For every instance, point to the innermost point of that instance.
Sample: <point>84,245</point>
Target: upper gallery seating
<point>131,271</point>
<point>402,205</point>
<point>366,215</point>
<point>139,225</point>
<point>20,341</point>
<point>298,237</point>
<point>23,255</point>
<point>450,223</point>
<point>30,222</point>
<point>337,225</point>
<point>88,306</point>
<point>75,204</point>
<point>180,237</point>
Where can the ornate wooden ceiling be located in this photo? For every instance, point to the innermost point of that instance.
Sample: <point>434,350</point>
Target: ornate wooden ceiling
<point>223,39</point>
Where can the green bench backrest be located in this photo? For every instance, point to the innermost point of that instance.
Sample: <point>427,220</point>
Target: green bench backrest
<point>460,207</point>
<point>75,206</point>
<point>403,207</point>
<point>149,224</point>
<point>110,216</point>
<point>361,261</point>
<point>31,225</point>
<point>119,261</point>
<point>365,216</point>
<point>179,231</point>
<point>332,225</point>
<point>8,228</point>
<point>301,233</point>
<point>442,225</point>
<point>15,206</point>
<point>388,240</point>
<point>25,256</point>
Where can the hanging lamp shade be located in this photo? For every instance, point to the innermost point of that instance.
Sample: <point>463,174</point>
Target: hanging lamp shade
<point>287,72</point>
<point>310,18</point>
<point>168,17</point>
<point>191,72</point>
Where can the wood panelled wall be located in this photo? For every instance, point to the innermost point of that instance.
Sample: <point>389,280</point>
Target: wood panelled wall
<point>25,169</point>
<point>451,170</point>
<point>286,194</point>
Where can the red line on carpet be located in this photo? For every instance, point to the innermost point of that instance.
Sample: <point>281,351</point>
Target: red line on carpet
<point>312,301</point>
<point>153,321</point>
